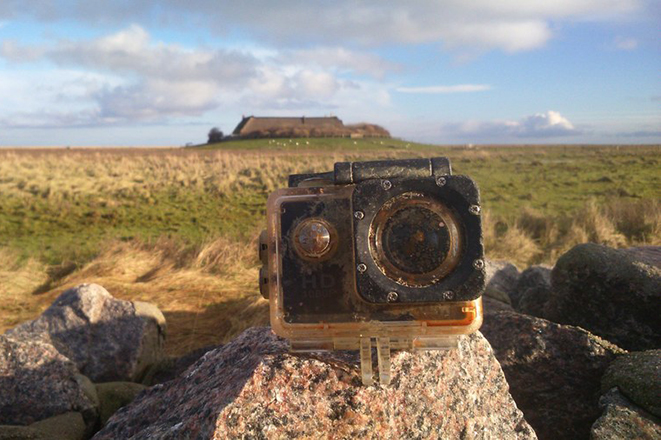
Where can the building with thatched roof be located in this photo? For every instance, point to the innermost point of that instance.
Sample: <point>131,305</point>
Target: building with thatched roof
<point>253,126</point>
<point>327,126</point>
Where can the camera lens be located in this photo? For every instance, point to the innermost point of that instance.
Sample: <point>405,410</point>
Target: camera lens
<point>416,240</point>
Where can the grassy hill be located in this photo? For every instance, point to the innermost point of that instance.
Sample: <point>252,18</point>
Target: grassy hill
<point>178,226</point>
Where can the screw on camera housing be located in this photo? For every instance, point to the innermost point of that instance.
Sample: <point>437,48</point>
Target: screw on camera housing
<point>448,295</point>
<point>392,296</point>
<point>386,184</point>
<point>478,264</point>
<point>361,268</point>
<point>359,215</point>
<point>441,181</point>
<point>474,209</point>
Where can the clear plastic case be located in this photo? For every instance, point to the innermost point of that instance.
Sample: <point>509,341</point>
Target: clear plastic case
<point>333,315</point>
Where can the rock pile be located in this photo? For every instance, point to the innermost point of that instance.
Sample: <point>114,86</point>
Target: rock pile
<point>560,331</point>
<point>611,293</point>
<point>38,382</point>
<point>553,363</point>
<point>108,339</point>
<point>254,388</point>
<point>553,371</point>
<point>48,365</point>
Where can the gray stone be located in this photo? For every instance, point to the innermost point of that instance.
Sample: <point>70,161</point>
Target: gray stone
<point>88,389</point>
<point>534,277</point>
<point>501,279</point>
<point>491,305</point>
<point>650,255</point>
<point>610,293</point>
<point>638,376</point>
<point>553,371</point>
<point>498,295</point>
<point>114,395</point>
<point>623,420</point>
<point>254,388</point>
<point>534,301</point>
<point>67,426</point>
<point>38,382</point>
<point>108,339</point>
<point>16,432</point>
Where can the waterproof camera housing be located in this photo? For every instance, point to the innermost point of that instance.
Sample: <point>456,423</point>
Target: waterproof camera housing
<point>382,253</point>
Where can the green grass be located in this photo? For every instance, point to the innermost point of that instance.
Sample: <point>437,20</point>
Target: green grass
<point>76,232</point>
<point>183,199</point>
<point>315,144</point>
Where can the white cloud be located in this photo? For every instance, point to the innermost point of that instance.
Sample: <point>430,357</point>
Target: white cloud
<point>340,59</point>
<point>157,80</point>
<point>459,88</point>
<point>137,79</point>
<point>509,25</point>
<point>550,123</point>
<point>15,52</point>
<point>317,85</point>
<point>624,43</point>
<point>540,125</point>
<point>156,98</point>
<point>132,51</point>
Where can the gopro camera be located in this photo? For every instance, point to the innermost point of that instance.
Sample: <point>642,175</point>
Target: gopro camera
<point>382,253</point>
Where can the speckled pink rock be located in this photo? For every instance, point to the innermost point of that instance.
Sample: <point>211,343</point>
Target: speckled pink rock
<point>37,382</point>
<point>624,420</point>
<point>108,339</point>
<point>253,388</point>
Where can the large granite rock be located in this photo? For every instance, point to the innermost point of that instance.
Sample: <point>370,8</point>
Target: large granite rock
<point>108,339</point>
<point>253,388</point>
<point>501,279</point>
<point>534,277</point>
<point>638,376</point>
<point>37,382</point>
<point>534,301</point>
<point>491,305</point>
<point>650,255</point>
<point>609,292</point>
<point>553,371</point>
<point>624,420</point>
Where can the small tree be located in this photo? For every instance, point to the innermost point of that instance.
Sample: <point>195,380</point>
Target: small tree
<point>215,135</point>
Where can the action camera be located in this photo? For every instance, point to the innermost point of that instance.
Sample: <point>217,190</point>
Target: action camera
<point>382,253</point>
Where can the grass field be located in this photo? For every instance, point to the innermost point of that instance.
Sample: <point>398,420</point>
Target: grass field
<point>178,226</point>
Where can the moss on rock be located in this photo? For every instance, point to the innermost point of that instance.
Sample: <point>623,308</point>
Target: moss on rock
<point>638,376</point>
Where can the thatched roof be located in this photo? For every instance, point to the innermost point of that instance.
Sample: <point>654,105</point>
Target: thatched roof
<point>254,124</point>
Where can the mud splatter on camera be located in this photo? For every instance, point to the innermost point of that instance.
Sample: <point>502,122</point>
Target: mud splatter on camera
<point>386,253</point>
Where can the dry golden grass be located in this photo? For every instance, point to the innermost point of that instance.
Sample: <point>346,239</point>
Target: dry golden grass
<point>536,238</point>
<point>207,294</point>
<point>55,176</point>
<point>18,277</point>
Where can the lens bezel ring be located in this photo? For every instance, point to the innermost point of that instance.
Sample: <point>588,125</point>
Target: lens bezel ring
<point>465,281</point>
<point>378,227</point>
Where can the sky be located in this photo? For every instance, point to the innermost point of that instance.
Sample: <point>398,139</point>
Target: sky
<point>136,72</point>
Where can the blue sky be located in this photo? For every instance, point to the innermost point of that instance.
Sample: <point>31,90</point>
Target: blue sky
<point>136,73</point>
